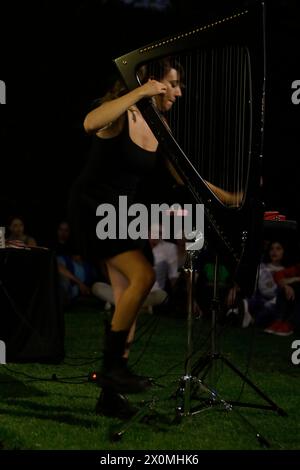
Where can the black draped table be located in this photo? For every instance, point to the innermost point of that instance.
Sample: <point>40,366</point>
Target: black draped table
<point>31,317</point>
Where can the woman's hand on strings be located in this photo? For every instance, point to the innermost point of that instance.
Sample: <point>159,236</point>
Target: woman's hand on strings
<point>153,88</point>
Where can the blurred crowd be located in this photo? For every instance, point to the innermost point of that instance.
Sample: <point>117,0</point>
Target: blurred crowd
<point>273,307</point>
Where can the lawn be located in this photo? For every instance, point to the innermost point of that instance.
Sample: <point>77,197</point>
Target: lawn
<point>44,406</point>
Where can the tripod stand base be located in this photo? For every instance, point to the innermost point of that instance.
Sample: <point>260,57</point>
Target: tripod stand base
<point>213,400</point>
<point>208,362</point>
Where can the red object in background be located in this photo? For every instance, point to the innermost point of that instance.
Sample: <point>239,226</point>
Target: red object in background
<point>274,215</point>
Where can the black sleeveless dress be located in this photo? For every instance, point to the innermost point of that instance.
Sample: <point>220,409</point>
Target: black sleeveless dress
<point>115,167</point>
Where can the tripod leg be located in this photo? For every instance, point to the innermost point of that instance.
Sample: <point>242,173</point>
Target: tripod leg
<point>117,435</point>
<point>272,404</point>
<point>217,399</point>
<point>188,364</point>
<point>214,314</point>
<point>261,439</point>
<point>185,385</point>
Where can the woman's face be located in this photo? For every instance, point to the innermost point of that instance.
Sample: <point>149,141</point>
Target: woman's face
<point>63,232</point>
<point>276,252</point>
<point>172,82</point>
<point>17,227</point>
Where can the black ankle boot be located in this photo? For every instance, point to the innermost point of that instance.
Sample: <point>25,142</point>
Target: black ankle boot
<point>115,374</point>
<point>114,405</point>
<point>147,380</point>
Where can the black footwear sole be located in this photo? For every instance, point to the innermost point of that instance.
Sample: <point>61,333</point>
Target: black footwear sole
<point>121,409</point>
<point>115,414</point>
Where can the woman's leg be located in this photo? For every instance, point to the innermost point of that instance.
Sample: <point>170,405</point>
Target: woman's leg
<point>119,284</point>
<point>131,276</point>
<point>129,295</point>
<point>111,402</point>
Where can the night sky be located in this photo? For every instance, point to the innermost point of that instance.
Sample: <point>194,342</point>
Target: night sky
<point>56,58</point>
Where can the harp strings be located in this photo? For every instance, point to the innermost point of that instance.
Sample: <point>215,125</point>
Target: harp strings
<point>211,121</point>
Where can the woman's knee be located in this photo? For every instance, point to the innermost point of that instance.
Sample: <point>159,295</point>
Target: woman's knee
<point>144,278</point>
<point>135,267</point>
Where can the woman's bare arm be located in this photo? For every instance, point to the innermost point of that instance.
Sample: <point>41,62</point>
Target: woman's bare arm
<point>225,196</point>
<point>110,111</point>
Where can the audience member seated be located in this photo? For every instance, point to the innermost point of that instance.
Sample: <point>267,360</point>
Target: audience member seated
<point>230,303</point>
<point>262,306</point>
<point>287,301</point>
<point>204,290</point>
<point>275,304</point>
<point>17,235</point>
<point>165,257</point>
<point>62,245</point>
<point>76,275</point>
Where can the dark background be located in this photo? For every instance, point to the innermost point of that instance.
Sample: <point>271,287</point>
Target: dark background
<point>56,58</point>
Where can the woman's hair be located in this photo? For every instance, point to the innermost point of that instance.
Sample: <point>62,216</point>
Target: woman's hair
<point>115,91</point>
<point>269,245</point>
<point>12,218</point>
<point>118,89</point>
<point>158,69</point>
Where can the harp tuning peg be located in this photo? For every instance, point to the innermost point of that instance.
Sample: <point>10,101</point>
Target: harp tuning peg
<point>244,236</point>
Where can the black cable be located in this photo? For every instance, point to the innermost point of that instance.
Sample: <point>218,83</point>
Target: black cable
<point>54,378</point>
<point>165,374</point>
<point>156,323</point>
<point>91,361</point>
<point>79,358</point>
<point>147,324</point>
<point>198,351</point>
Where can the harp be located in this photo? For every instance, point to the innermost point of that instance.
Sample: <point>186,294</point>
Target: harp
<point>214,135</point>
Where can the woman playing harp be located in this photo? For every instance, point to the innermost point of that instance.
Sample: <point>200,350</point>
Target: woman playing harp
<point>123,151</point>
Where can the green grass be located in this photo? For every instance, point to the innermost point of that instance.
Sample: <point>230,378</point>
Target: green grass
<point>48,414</point>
